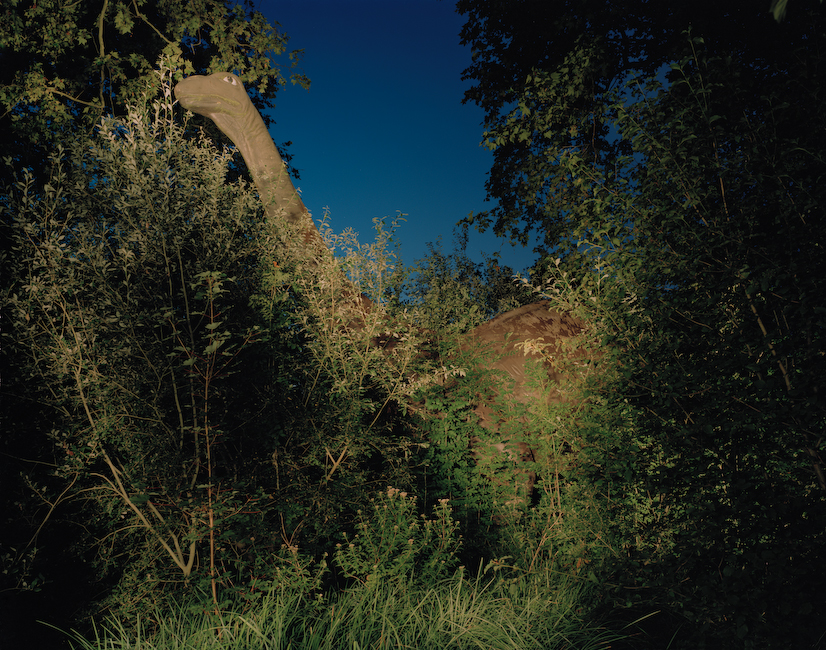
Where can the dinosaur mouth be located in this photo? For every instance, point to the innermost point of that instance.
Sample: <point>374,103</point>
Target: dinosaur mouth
<point>213,103</point>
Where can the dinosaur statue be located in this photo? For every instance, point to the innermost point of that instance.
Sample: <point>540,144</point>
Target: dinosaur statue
<point>222,98</point>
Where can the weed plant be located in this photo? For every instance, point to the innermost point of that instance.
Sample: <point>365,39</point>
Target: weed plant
<point>403,592</point>
<point>483,611</point>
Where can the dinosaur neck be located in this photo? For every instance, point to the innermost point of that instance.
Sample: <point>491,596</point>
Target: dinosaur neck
<point>250,135</point>
<point>221,97</point>
<point>269,173</point>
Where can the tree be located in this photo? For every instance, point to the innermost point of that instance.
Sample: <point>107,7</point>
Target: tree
<point>696,260</point>
<point>582,52</point>
<point>670,158</point>
<point>66,65</point>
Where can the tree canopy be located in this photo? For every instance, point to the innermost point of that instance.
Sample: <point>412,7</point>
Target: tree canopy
<point>583,51</point>
<point>66,64</point>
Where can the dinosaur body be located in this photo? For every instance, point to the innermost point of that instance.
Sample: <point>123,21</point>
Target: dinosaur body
<point>504,334</point>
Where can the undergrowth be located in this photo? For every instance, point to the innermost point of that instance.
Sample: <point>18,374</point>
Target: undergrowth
<point>482,611</point>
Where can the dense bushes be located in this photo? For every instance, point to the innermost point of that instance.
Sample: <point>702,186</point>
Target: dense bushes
<point>214,422</point>
<point>695,258</point>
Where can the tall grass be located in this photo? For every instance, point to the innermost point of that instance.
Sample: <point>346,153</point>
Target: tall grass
<point>455,613</point>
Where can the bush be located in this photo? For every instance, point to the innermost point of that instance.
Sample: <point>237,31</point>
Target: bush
<point>394,543</point>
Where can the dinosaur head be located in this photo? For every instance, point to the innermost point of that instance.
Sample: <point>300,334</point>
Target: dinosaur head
<point>222,98</point>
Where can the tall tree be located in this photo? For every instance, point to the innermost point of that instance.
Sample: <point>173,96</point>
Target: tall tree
<point>582,51</point>
<point>677,174</point>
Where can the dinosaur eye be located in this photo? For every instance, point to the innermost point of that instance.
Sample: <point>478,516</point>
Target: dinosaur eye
<point>230,80</point>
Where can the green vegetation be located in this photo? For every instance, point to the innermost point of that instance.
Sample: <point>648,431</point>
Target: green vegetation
<point>408,593</point>
<point>681,197</point>
<point>210,413</point>
<point>207,442</point>
<point>454,613</point>
<point>66,65</point>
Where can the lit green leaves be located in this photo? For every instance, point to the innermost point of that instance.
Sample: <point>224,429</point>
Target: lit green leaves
<point>75,61</point>
<point>120,315</point>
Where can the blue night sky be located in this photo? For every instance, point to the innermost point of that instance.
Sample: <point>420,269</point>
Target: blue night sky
<point>382,128</point>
